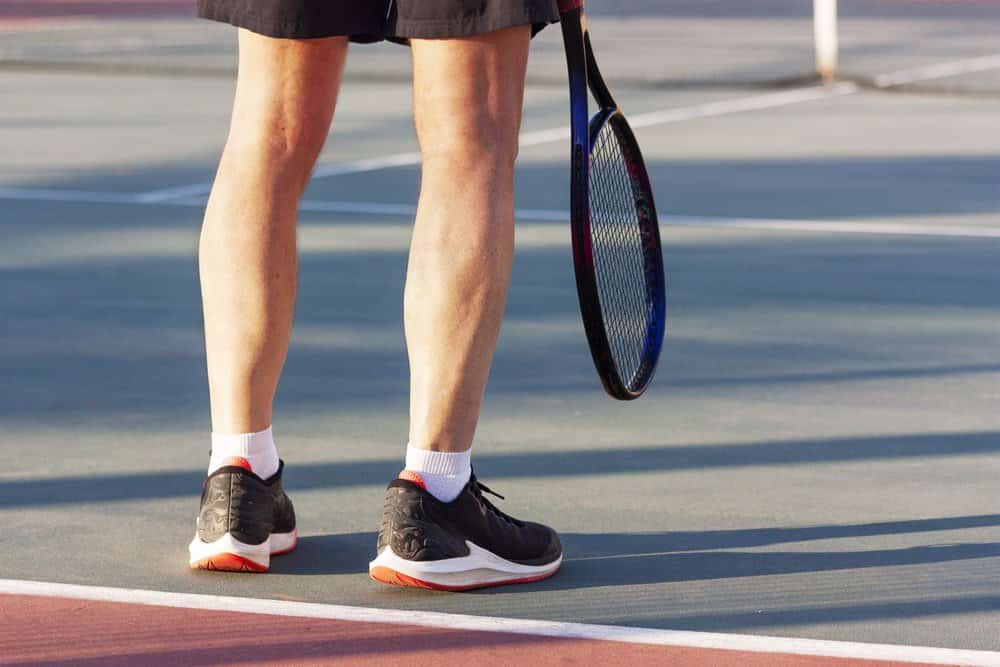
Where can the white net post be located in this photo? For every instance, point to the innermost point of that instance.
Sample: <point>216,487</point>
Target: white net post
<point>825,34</point>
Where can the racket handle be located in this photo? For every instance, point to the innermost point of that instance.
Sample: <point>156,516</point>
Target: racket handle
<point>569,5</point>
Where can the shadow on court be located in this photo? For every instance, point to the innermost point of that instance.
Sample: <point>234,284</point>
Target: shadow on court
<point>664,567</point>
<point>601,559</point>
<point>574,463</point>
<point>629,559</point>
<point>116,338</point>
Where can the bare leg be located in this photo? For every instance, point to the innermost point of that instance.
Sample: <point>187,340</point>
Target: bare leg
<point>285,97</point>
<point>468,94</point>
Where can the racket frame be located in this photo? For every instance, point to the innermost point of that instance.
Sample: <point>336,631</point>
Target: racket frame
<point>585,76</point>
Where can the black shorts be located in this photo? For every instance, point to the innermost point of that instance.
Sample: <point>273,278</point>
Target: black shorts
<point>374,20</point>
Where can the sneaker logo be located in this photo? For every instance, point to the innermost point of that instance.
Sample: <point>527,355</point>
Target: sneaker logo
<point>411,476</point>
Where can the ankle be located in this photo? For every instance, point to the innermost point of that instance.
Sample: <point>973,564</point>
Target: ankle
<point>444,474</point>
<point>256,452</point>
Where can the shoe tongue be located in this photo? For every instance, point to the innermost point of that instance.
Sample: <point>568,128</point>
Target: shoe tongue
<point>237,461</point>
<point>414,477</point>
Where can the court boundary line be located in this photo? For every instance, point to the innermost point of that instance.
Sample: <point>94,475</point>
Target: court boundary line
<point>627,634</point>
<point>836,226</point>
<point>833,226</point>
<point>937,71</point>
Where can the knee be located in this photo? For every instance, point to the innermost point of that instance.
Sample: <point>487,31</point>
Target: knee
<point>285,148</point>
<point>480,144</point>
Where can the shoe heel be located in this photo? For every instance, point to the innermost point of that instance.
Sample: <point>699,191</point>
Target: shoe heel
<point>230,555</point>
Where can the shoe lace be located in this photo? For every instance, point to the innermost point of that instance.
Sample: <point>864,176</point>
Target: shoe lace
<point>478,488</point>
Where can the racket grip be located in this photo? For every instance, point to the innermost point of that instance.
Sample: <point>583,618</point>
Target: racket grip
<point>569,5</point>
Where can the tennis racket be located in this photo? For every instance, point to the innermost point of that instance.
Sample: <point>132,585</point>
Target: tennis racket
<point>616,237</point>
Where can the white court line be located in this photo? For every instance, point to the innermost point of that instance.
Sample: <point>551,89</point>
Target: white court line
<point>166,195</point>
<point>545,215</point>
<point>406,210</point>
<point>321,171</point>
<point>741,105</point>
<point>762,224</point>
<point>365,207</point>
<point>367,164</point>
<point>705,640</point>
<point>44,194</point>
<point>839,227</point>
<point>711,109</point>
<point>938,71</point>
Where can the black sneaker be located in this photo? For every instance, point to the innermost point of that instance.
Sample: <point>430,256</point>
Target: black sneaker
<point>244,520</point>
<point>467,543</point>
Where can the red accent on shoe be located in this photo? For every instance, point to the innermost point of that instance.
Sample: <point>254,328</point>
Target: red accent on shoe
<point>228,563</point>
<point>239,462</point>
<point>387,575</point>
<point>411,476</point>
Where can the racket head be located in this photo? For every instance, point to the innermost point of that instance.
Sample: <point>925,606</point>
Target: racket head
<point>618,260</point>
<point>625,345</point>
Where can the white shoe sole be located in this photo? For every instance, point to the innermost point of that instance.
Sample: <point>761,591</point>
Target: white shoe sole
<point>479,569</point>
<point>228,553</point>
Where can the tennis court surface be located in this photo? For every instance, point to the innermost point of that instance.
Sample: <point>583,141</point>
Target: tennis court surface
<point>813,478</point>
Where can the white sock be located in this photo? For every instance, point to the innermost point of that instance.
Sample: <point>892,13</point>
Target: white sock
<point>444,474</point>
<point>256,450</point>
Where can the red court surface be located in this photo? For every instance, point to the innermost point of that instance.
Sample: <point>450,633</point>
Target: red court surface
<point>66,631</point>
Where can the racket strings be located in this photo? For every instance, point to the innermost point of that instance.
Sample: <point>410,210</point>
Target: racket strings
<point>619,254</point>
